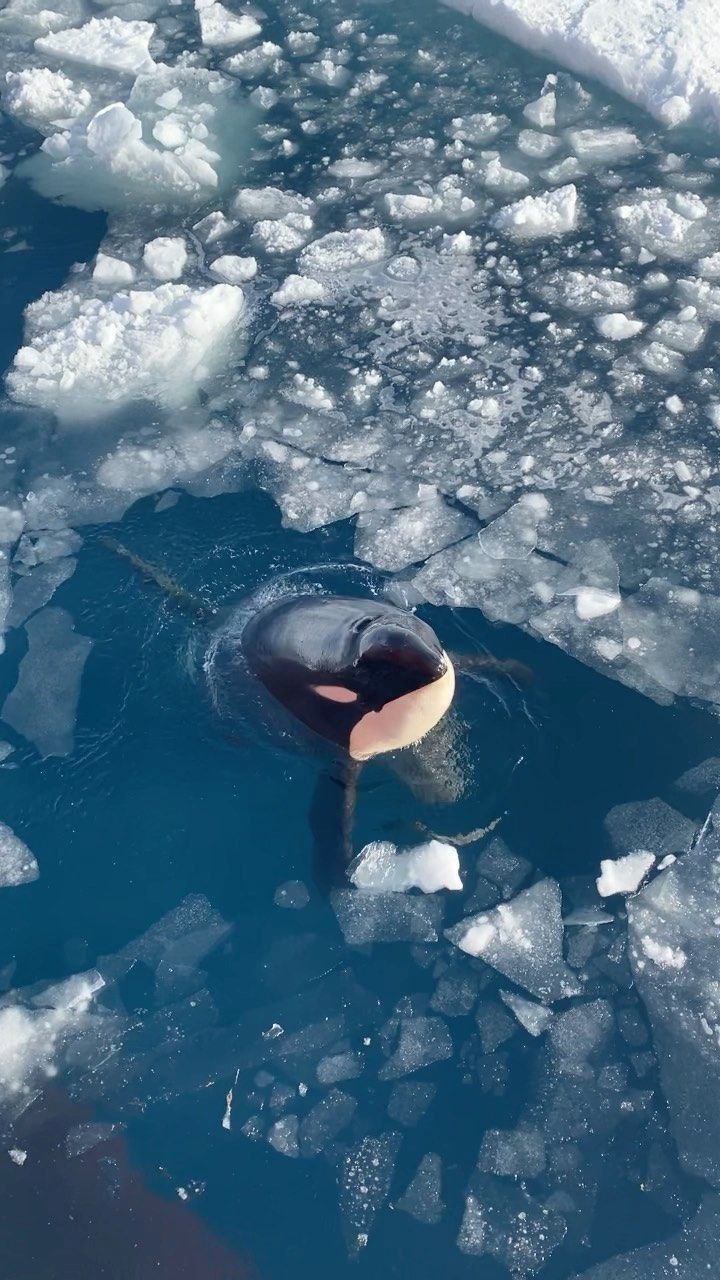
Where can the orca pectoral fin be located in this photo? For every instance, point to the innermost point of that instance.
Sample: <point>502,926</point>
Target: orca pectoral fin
<point>505,668</point>
<point>332,816</point>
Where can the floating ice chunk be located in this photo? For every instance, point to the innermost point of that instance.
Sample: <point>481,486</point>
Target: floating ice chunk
<point>535,1018</point>
<point>114,271</point>
<point>535,144</point>
<point>455,994</point>
<point>649,824</point>
<point>423,1198</point>
<point>409,1101</point>
<point>387,917</point>
<point>299,291</point>
<point>220,27</point>
<point>232,269</point>
<point>39,97</point>
<point>341,251</point>
<point>479,128</point>
<point>603,145</point>
<point>541,112</point>
<point>325,1121</point>
<point>675,950</point>
<point>283,235</point>
<point>17,864</point>
<point>448,204</point>
<point>395,540</point>
<point>595,602</point>
<point>364,1180</point>
<point>514,534</point>
<point>702,780</point>
<point>255,203</point>
<point>352,168</point>
<point>88,355</point>
<point>624,875</point>
<point>339,1066</point>
<point>422,1042</point>
<point>709,267</point>
<point>502,180</point>
<point>121,158</point>
<point>43,705</point>
<point>616,326</point>
<point>110,43</point>
<point>138,469</point>
<point>507,1223</point>
<point>165,257</point>
<point>283,1136</point>
<point>523,940</point>
<point>513,1153</point>
<point>293,894</point>
<point>553,214</point>
<point>380,868</point>
<point>666,224</point>
<point>33,1040</point>
<point>301,43</point>
<point>213,227</point>
<point>36,589</point>
<point>17,1155</point>
<point>256,62</point>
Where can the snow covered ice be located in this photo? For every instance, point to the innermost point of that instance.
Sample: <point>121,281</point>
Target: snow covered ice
<point>379,867</point>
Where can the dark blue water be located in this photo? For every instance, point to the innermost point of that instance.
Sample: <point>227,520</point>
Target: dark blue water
<point>160,800</point>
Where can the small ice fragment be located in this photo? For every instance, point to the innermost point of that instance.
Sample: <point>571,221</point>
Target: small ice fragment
<point>299,291</point>
<point>233,269</point>
<point>595,602</point>
<point>616,326</point>
<point>220,27</point>
<point>387,917</point>
<point>293,894</point>
<point>624,875</point>
<point>43,705</point>
<point>552,214</point>
<point>109,270</point>
<point>273,1032</point>
<point>283,1136</point>
<point>338,1066</point>
<point>325,1121</point>
<point>535,1018</point>
<point>422,1042</point>
<point>430,867</point>
<point>17,864</point>
<point>17,1155</point>
<point>165,257</point>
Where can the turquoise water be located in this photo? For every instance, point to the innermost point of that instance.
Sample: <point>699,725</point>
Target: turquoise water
<point>159,801</point>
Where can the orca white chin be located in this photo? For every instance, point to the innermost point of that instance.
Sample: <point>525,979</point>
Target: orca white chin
<point>405,720</point>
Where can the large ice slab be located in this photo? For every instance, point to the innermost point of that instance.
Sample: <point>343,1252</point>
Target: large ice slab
<point>675,953</point>
<point>665,57</point>
<point>86,354</point>
<point>43,705</point>
<point>523,939</point>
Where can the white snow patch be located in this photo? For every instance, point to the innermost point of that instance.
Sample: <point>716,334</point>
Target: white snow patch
<point>615,326</point>
<point>553,214</point>
<point>87,355</point>
<point>165,257</point>
<point>665,956</point>
<point>624,875</point>
<point>380,868</point>
<point>298,291</point>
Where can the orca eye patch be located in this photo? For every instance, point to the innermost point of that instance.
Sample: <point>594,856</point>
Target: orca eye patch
<point>334,692</point>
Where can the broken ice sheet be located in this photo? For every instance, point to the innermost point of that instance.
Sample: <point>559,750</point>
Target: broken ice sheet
<point>43,705</point>
<point>380,867</point>
<point>506,1222</point>
<point>423,1198</point>
<point>387,917</point>
<point>689,1254</point>
<point>422,1042</point>
<point>675,951</point>
<point>649,825</point>
<point>325,1121</point>
<point>409,1100</point>
<point>523,939</point>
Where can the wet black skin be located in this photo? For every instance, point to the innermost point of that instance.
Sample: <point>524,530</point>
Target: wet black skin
<point>376,650</point>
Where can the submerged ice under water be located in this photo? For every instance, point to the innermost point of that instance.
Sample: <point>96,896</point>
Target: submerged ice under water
<point>374,263</point>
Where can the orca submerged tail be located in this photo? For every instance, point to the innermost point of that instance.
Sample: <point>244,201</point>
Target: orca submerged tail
<point>162,580</point>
